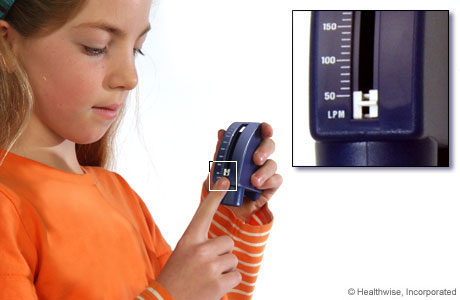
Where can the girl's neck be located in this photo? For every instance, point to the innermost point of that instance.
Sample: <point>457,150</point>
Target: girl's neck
<point>40,144</point>
<point>50,158</point>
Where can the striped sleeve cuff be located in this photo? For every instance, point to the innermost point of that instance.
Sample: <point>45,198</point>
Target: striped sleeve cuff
<point>154,292</point>
<point>250,239</point>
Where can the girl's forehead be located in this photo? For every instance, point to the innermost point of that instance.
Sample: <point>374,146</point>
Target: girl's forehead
<point>110,28</point>
<point>131,15</point>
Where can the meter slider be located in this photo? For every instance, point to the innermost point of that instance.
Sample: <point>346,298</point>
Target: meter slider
<point>365,64</point>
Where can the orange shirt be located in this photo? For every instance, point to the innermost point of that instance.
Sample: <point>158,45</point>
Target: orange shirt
<point>90,236</point>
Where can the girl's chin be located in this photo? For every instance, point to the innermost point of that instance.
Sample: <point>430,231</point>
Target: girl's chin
<point>89,139</point>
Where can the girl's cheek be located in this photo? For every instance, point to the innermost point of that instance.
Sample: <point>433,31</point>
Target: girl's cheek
<point>63,78</point>
<point>78,79</point>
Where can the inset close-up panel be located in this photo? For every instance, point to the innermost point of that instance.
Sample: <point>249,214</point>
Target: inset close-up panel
<point>378,88</point>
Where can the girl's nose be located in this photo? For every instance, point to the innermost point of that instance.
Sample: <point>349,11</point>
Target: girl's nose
<point>124,74</point>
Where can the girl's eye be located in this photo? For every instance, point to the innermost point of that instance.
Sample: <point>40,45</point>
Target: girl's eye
<point>97,51</point>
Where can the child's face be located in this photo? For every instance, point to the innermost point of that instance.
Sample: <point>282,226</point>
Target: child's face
<point>68,82</point>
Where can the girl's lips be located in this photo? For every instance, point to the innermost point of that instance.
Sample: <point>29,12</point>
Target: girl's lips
<point>109,112</point>
<point>110,107</point>
<point>106,112</point>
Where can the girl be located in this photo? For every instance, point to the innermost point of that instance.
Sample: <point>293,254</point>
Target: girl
<point>71,229</point>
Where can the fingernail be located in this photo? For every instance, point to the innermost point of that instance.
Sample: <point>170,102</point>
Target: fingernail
<point>258,178</point>
<point>260,156</point>
<point>222,183</point>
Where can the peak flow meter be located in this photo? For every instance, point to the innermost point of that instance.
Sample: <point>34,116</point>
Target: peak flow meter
<point>234,161</point>
<point>379,88</point>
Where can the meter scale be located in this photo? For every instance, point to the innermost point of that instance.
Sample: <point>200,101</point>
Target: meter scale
<point>344,60</point>
<point>332,61</point>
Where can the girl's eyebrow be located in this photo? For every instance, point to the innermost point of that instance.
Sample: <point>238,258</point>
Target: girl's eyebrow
<point>110,28</point>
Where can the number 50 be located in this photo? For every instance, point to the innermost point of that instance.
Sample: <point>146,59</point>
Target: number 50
<point>329,96</point>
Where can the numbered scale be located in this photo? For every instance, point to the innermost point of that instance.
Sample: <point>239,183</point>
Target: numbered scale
<point>340,57</point>
<point>333,63</point>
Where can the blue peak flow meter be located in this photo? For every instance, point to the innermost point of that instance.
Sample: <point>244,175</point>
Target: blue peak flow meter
<point>234,161</point>
<point>379,88</point>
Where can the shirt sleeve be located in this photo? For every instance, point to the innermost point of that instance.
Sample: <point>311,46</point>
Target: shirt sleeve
<point>156,291</point>
<point>17,254</point>
<point>250,239</point>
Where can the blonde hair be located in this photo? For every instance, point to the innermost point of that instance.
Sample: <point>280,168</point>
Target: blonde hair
<point>39,18</point>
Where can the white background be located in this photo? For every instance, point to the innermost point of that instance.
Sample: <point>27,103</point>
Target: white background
<point>210,63</point>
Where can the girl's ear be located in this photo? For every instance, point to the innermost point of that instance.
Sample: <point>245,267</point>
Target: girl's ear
<point>9,44</point>
<point>5,29</point>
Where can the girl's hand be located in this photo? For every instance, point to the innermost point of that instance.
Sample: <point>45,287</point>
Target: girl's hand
<point>202,268</point>
<point>265,178</point>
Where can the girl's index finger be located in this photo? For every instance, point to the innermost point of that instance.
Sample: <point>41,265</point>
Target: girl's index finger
<point>199,225</point>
